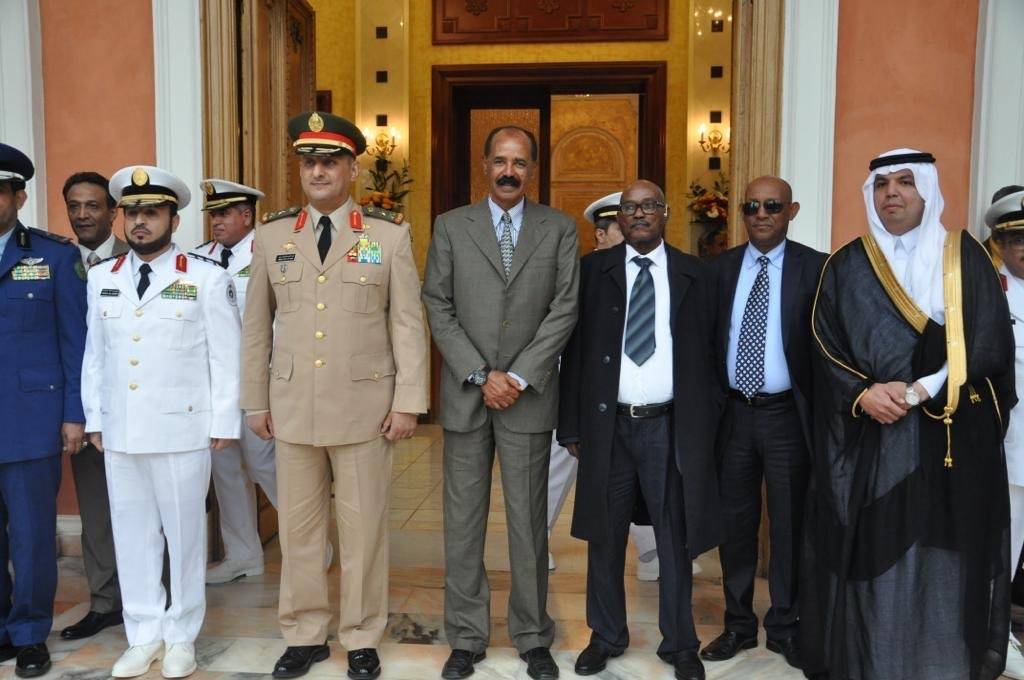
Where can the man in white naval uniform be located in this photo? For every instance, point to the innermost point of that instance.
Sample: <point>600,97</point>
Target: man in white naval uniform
<point>250,460</point>
<point>1005,217</point>
<point>159,393</point>
<point>562,468</point>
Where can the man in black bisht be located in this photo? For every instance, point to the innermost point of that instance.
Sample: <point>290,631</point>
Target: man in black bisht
<point>906,563</point>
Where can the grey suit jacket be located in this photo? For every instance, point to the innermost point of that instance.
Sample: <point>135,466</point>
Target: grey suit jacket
<point>119,247</point>
<point>519,324</point>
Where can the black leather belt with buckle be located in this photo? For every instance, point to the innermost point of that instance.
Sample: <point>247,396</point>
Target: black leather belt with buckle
<point>644,410</point>
<point>762,399</point>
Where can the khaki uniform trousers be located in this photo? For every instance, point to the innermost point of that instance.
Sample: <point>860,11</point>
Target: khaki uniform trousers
<point>362,490</point>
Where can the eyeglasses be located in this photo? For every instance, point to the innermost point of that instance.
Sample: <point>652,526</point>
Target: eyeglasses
<point>771,206</point>
<point>649,206</point>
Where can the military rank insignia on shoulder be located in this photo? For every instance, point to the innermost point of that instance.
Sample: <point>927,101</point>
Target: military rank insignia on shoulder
<point>287,212</point>
<point>203,258</point>
<point>50,235</point>
<point>382,214</point>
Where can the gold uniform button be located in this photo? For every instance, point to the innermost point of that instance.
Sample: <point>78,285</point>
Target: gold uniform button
<point>321,279</point>
<point>319,363</point>
<point>284,279</point>
<point>321,306</point>
<point>177,314</point>
<point>136,338</point>
<point>31,296</point>
<point>362,279</point>
<point>133,386</point>
<point>319,335</point>
<point>506,323</point>
<point>134,362</point>
<point>376,375</point>
<point>138,312</point>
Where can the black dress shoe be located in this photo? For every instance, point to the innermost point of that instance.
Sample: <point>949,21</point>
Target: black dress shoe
<point>363,664</point>
<point>33,661</point>
<point>91,623</point>
<point>460,664</point>
<point>789,648</point>
<point>727,645</point>
<point>688,665</point>
<point>593,659</point>
<point>8,652</point>
<point>539,664</point>
<point>296,661</point>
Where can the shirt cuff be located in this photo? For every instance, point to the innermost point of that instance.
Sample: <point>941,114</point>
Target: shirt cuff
<point>933,383</point>
<point>522,383</point>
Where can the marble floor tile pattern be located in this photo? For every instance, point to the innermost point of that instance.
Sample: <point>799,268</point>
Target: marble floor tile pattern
<point>240,639</point>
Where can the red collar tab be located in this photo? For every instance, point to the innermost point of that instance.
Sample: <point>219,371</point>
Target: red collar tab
<point>181,263</point>
<point>1006,283</point>
<point>117,264</point>
<point>300,222</point>
<point>213,247</point>
<point>355,221</point>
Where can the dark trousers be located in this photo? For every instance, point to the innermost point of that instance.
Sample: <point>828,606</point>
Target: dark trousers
<point>468,461</point>
<point>28,538</point>
<point>762,442</point>
<point>97,536</point>
<point>642,453</point>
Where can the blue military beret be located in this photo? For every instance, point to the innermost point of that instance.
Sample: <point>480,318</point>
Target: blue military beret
<point>14,165</point>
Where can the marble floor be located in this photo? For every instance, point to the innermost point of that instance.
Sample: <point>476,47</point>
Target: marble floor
<point>240,638</point>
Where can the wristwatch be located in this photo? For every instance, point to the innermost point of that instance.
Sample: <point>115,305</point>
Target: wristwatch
<point>478,377</point>
<point>912,397</point>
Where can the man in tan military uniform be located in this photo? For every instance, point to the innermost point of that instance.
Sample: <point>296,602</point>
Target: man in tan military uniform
<point>333,366</point>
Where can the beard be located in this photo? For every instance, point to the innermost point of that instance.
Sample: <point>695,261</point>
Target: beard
<point>152,246</point>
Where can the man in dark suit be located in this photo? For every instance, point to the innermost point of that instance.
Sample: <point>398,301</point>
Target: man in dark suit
<point>91,212</point>
<point>500,292</point>
<point>42,336</point>
<point>639,401</point>
<point>765,293</point>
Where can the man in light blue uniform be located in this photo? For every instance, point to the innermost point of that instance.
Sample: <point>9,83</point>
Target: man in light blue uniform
<point>42,336</point>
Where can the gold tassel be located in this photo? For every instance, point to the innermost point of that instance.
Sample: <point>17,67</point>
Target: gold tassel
<point>948,422</point>
<point>975,397</point>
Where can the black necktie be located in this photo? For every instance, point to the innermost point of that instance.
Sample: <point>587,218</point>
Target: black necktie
<point>144,271</point>
<point>323,244</point>
<point>750,348</point>
<point>224,255</point>
<point>640,342</point>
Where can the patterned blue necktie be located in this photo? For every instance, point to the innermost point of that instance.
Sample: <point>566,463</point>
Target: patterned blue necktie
<point>750,351</point>
<point>640,343</point>
<point>505,243</point>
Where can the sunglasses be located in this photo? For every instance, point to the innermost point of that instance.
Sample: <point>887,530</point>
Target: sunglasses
<point>771,206</point>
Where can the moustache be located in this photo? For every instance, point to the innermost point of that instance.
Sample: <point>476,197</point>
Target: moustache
<point>508,181</point>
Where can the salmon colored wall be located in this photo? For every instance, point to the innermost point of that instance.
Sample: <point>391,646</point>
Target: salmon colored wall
<point>98,93</point>
<point>905,78</point>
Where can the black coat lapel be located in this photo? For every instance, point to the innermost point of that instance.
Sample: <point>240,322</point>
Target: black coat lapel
<point>792,270</point>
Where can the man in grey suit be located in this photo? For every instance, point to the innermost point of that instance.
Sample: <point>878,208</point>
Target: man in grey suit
<point>91,212</point>
<point>501,297</point>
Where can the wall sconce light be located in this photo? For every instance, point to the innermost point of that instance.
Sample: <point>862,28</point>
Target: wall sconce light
<point>384,142</point>
<point>713,141</point>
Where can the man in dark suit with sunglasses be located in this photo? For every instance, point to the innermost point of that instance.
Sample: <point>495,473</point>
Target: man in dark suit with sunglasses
<point>765,293</point>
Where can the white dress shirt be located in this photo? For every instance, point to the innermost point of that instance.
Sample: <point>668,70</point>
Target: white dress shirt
<point>899,250</point>
<point>776,369</point>
<point>652,382</point>
<point>105,250</point>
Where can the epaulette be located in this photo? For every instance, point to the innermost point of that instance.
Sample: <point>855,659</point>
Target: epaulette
<point>371,210</point>
<point>108,259</point>
<point>196,256</point>
<point>287,212</point>
<point>51,236</point>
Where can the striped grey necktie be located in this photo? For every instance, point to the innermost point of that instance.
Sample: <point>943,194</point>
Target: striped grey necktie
<point>505,243</point>
<point>640,342</point>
